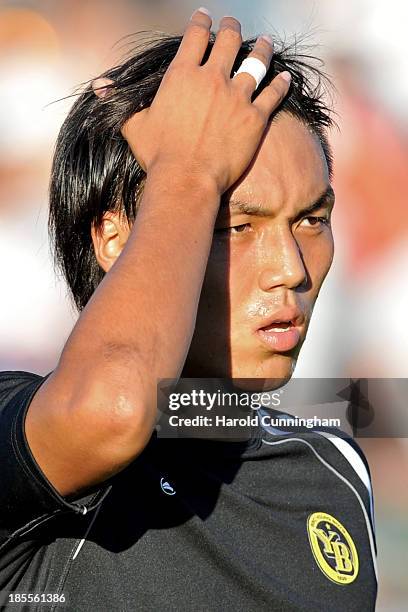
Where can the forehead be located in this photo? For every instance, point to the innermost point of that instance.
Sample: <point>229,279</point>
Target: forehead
<point>288,170</point>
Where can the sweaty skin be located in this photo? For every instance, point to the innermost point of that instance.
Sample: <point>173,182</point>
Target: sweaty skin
<point>259,264</point>
<point>268,261</point>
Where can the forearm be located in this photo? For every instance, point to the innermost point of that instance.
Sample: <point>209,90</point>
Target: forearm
<point>141,318</point>
<point>98,408</point>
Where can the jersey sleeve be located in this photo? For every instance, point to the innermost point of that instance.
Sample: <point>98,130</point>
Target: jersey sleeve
<point>27,496</point>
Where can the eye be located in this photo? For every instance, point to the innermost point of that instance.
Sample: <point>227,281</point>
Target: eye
<point>235,229</point>
<point>315,221</point>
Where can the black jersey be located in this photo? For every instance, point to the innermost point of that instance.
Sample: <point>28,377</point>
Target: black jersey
<point>281,522</point>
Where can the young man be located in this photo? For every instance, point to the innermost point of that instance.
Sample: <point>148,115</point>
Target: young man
<point>195,245</point>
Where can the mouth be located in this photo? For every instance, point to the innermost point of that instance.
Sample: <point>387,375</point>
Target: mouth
<point>282,331</point>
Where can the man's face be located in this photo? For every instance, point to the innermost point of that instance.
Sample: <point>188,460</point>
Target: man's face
<point>269,256</point>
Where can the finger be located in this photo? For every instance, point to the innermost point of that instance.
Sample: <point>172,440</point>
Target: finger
<point>102,87</point>
<point>270,97</point>
<point>227,44</point>
<point>195,38</point>
<point>263,50</point>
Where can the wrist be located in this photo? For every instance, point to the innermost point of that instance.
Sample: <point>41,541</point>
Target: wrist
<point>183,178</point>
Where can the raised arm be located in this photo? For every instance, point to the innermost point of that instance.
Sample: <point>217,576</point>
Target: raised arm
<point>97,410</point>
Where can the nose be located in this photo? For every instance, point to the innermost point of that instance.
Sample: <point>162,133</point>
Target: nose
<point>283,264</point>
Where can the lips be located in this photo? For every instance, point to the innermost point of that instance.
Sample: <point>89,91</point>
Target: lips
<point>279,326</point>
<point>281,331</point>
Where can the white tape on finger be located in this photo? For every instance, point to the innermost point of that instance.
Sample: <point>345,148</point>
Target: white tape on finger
<point>254,67</point>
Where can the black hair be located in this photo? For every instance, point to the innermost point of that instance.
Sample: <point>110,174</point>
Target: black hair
<point>94,170</point>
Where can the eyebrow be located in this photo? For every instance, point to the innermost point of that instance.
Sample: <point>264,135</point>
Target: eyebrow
<point>325,199</point>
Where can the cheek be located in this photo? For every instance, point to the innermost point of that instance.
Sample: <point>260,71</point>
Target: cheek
<point>243,278</point>
<point>228,274</point>
<point>318,256</point>
<point>214,297</point>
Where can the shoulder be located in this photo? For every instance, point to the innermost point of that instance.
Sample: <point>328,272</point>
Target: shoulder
<point>18,387</point>
<point>337,455</point>
<point>12,382</point>
<point>350,452</point>
<point>333,447</point>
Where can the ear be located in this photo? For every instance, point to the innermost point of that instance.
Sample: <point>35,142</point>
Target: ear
<point>109,239</point>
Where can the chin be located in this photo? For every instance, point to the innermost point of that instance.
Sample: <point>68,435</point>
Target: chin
<point>269,374</point>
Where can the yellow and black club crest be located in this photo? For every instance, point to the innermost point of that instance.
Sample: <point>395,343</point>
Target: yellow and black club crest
<point>333,548</point>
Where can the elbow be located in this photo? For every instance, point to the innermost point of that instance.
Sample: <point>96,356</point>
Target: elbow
<point>127,422</point>
<point>117,420</point>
